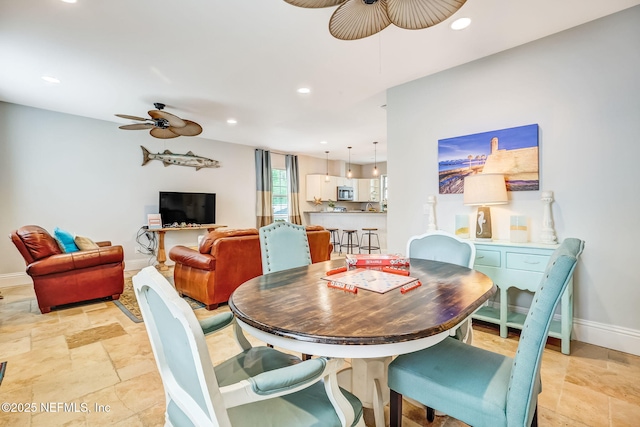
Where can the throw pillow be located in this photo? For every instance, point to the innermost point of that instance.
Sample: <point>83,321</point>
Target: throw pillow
<point>85,243</point>
<point>65,239</point>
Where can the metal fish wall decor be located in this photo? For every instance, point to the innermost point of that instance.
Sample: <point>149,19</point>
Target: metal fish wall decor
<point>168,158</point>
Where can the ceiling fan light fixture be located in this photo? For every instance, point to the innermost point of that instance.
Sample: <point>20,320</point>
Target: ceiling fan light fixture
<point>163,125</point>
<point>357,19</point>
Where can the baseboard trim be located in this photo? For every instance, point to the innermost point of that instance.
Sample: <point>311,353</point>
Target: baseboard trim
<point>136,264</point>
<point>612,337</point>
<point>617,338</point>
<point>14,279</point>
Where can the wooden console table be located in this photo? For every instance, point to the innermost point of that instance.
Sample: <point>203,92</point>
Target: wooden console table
<point>520,266</point>
<point>162,255</point>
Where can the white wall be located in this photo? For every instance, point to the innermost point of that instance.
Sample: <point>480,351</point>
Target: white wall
<point>85,176</point>
<point>582,87</point>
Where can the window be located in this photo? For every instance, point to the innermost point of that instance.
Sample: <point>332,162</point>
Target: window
<point>279,195</point>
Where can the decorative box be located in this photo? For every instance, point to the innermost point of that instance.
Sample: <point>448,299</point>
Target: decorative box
<point>375,260</point>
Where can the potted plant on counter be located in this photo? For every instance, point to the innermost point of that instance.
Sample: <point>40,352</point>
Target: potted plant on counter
<point>331,205</point>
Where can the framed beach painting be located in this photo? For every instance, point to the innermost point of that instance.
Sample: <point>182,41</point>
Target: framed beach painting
<point>512,152</point>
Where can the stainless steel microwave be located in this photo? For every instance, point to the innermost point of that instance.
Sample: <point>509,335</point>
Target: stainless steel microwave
<point>345,194</point>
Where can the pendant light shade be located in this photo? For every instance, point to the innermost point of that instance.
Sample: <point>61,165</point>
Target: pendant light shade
<point>375,159</point>
<point>349,173</point>
<point>326,178</point>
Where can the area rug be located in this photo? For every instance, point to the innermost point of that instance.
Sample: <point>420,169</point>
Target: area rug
<point>129,304</point>
<point>3,367</point>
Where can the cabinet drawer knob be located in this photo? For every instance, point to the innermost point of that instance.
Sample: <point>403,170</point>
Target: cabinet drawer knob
<point>526,261</point>
<point>480,257</point>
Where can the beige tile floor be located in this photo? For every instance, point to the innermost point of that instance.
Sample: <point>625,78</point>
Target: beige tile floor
<point>92,366</point>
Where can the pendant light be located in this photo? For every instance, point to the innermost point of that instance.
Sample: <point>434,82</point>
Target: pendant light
<point>349,173</point>
<point>375,159</point>
<point>326,178</point>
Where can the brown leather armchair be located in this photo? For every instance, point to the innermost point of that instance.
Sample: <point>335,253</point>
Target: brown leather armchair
<point>227,258</point>
<point>63,278</point>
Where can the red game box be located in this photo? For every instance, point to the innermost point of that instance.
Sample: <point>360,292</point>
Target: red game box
<point>376,260</point>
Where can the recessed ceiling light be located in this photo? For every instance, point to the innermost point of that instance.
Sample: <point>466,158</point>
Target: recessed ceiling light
<point>323,142</point>
<point>50,79</point>
<point>460,24</point>
<point>69,1</point>
<point>232,121</point>
<point>304,90</point>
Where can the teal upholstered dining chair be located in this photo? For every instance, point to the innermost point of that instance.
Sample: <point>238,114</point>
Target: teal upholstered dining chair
<point>258,387</point>
<point>283,246</point>
<point>479,387</point>
<point>445,247</point>
<point>442,246</point>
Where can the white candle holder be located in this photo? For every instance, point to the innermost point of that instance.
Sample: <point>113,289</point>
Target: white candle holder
<point>431,201</point>
<point>548,234</point>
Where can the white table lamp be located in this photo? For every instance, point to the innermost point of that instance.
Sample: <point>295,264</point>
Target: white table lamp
<point>484,190</point>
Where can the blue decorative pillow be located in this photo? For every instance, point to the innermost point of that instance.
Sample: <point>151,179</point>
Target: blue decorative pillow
<point>65,240</point>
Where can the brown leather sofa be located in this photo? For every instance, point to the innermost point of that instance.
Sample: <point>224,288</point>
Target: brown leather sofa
<point>227,258</point>
<point>64,278</point>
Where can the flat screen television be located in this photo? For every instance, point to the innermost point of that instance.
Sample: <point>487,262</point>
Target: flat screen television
<point>190,208</point>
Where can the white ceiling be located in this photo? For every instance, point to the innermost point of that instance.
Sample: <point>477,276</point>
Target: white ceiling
<point>216,59</point>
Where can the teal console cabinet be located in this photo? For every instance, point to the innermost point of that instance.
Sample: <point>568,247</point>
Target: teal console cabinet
<point>520,266</point>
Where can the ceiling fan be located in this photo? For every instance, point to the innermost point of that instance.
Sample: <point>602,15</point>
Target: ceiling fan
<point>163,125</point>
<point>357,19</point>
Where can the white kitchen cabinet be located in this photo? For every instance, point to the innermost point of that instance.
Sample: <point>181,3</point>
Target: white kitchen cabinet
<point>318,186</point>
<point>343,181</point>
<point>368,190</point>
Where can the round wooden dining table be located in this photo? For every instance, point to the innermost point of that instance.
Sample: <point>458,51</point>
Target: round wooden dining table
<point>296,310</point>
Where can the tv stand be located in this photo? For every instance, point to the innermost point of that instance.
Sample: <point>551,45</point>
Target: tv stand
<point>162,255</point>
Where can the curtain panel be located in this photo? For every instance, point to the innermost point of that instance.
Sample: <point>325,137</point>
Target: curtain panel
<point>264,210</point>
<point>293,180</point>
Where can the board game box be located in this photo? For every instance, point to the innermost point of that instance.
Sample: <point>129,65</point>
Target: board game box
<point>374,260</point>
<point>372,280</point>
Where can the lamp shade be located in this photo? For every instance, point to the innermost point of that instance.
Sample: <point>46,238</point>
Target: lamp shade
<point>485,189</point>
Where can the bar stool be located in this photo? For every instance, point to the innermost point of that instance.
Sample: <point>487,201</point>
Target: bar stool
<point>369,234</point>
<point>335,238</point>
<point>349,242</point>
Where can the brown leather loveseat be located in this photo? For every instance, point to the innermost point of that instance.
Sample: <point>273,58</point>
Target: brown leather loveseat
<point>226,258</point>
<point>63,278</point>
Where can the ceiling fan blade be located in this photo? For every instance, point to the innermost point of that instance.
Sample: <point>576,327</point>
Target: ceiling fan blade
<point>419,14</point>
<point>163,133</point>
<point>125,116</point>
<point>137,126</point>
<point>355,19</point>
<point>191,129</point>
<point>313,4</point>
<point>174,121</point>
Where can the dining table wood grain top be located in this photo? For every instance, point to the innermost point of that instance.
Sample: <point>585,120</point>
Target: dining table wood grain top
<point>299,304</point>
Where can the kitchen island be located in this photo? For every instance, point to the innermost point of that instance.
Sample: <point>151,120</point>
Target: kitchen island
<point>351,220</point>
